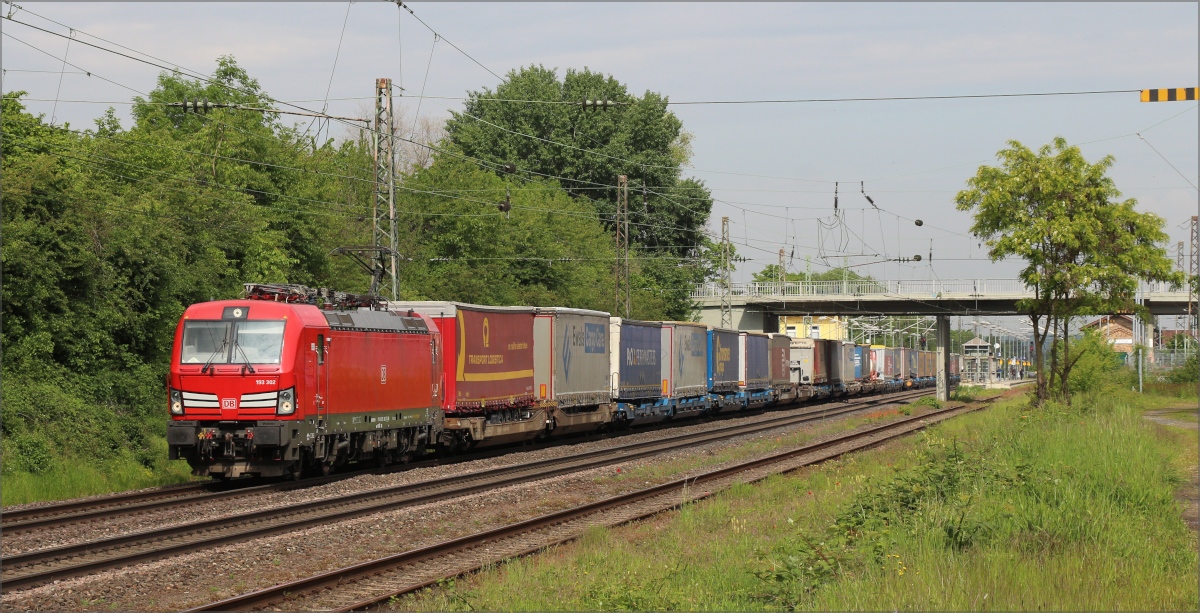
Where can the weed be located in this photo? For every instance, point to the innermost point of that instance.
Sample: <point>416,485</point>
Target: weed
<point>927,401</point>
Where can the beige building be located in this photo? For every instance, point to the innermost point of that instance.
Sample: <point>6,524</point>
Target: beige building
<point>1116,329</point>
<point>814,326</point>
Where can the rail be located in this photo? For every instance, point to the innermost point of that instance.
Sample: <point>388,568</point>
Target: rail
<point>367,585</point>
<point>36,567</point>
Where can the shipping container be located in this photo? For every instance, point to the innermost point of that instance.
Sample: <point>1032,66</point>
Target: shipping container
<point>807,364</point>
<point>913,360</point>
<point>780,355</point>
<point>688,343</point>
<point>636,365</point>
<point>822,351</point>
<point>724,360</point>
<point>847,355</point>
<point>571,364</point>
<point>955,364</point>
<point>487,354</point>
<point>882,363</point>
<point>755,358</point>
<point>903,368</point>
<point>838,373</point>
<point>860,372</point>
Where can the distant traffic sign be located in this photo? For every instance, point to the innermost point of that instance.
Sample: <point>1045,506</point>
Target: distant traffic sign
<point>1168,95</point>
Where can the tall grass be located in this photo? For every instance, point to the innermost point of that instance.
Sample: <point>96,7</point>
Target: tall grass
<point>72,477</point>
<point>1008,508</point>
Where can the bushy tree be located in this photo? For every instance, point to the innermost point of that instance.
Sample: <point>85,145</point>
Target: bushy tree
<point>1084,250</point>
<point>110,233</point>
<point>537,122</point>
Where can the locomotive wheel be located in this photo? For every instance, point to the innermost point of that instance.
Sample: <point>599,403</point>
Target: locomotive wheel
<point>326,469</point>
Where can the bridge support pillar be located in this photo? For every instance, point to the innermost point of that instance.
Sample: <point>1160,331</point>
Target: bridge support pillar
<point>943,358</point>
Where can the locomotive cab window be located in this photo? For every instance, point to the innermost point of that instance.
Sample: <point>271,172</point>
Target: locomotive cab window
<point>204,341</point>
<point>320,349</point>
<point>261,341</point>
<point>225,342</point>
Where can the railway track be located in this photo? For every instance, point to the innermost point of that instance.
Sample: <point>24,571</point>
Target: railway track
<point>370,584</point>
<point>37,567</point>
<point>118,505</point>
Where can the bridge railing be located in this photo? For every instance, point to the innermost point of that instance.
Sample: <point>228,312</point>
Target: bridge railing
<point>931,288</point>
<point>869,287</point>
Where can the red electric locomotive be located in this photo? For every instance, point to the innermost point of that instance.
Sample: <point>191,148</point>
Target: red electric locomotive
<point>275,385</point>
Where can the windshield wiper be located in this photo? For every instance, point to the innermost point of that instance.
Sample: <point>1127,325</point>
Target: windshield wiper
<point>246,358</point>
<point>221,349</point>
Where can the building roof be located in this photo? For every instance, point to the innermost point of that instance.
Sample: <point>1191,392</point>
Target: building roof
<point>1124,320</point>
<point>977,341</point>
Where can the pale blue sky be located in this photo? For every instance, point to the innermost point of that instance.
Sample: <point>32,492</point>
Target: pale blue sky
<point>913,155</point>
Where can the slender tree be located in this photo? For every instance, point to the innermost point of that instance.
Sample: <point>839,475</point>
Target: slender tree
<point>1084,250</point>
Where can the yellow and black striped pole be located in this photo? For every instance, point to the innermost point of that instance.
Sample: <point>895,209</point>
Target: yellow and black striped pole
<point>1169,95</point>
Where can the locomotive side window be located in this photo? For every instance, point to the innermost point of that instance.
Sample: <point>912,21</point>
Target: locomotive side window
<point>204,341</point>
<point>320,349</point>
<point>261,341</point>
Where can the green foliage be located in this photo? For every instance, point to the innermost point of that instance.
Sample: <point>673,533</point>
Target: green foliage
<point>966,393</point>
<point>638,138</point>
<point>1066,508</point>
<point>110,233</point>
<point>549,250</point>
<point>927,401</point>
<point>770,274</point>
<point>1096,366</point>
<point>796,567</point>
<point>1084,250</point>
<point>1189,372</point>
<point>1033,487</point>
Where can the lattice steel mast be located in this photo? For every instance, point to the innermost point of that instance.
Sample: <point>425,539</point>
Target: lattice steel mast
<point>622,293</point>
<point>726,299</point>
<point>385,236</point>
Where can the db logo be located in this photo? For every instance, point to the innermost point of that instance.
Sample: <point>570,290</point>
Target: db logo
<point>229,403</point>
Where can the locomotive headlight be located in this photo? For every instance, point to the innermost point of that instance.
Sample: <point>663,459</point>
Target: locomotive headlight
<point>176,402</point>
<point>287,402</point>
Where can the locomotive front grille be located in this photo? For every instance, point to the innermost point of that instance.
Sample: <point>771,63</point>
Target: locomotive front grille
<point>261,400</point>
<point>193,400</point>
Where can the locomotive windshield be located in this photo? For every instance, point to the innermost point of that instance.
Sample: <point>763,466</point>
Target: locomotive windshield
<point>253,342</point>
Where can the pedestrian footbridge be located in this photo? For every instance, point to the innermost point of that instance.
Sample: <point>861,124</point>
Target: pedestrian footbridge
<point>757,306</point>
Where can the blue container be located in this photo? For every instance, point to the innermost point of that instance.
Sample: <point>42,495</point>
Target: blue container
<point>640,360</point>
<point>757,360</point>
<point>858,362</point>
<point>724,365</point>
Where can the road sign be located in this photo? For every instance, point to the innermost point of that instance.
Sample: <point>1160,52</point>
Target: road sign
<point>1168,95</point>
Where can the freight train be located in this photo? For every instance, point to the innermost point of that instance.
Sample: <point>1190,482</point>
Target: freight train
<point>292,380</point>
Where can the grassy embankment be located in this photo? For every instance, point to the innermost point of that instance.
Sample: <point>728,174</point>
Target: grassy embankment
<point>1009,508</point>
<point>73,477</point>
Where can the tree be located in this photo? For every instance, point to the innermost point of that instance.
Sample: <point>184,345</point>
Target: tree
<point>1084,251</point>
<point>110,233</point>
<point>770,274</point>
<point>553,135</point>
